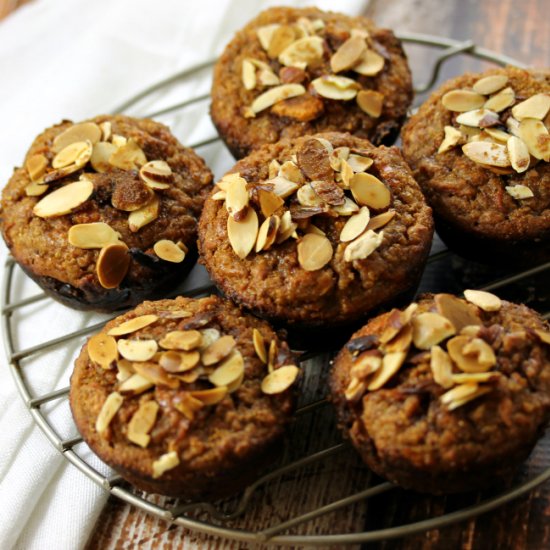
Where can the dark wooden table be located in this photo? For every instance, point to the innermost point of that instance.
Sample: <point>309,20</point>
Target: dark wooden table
<point>520,30</point>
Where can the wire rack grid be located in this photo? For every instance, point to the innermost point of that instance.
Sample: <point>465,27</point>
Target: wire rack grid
<point>220,519</point>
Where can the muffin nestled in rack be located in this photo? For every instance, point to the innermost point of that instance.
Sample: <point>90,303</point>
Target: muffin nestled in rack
<point>448,395</point>
<point>480,150</point>
<point>317,230</point>
<point>185,397</point>
<point>104,212</point>
<point>292,72</point>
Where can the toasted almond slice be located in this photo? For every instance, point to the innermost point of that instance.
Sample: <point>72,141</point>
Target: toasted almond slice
<point>543,336</point>
<point>490,84</point>
<point>265,34</point>
<point>269,202</point>
<point>282,187</point>
<point>347,209</point>
<point>100,156</point>
<point>364,365</point>
<point>487,153</point>
<point>187,404</point>
<point>401,342</point>
<point>118,140</point>
<point>102,350</point>
<point>458,312</point>
<point>219,196</point>
<point>462,101</point>
<point>129,156</point>
<point>165,462</point>
<point>133,325</point>
<point>501,101</point>
<point>85,131</point>
<point>169,251</point>
<point>484,300</point>
<point>112,265</point>
<point>156,374</point>
<point>314,252</point>
<point>75,153</point>
<point>518,153</point>
<point>442,368</point>
<point>395,322</point>
<point>471,354</point>
<point>459,395</point>
<point>348,54</point>
<point>92,235</point>
<point>182,361</point>
<point>290,171</point>
<point>236,201</point>
<point>218,350</point>
<point>272,355</point>
<point>369,191</point>
<point>267,233</point>
<point>470,330</point>
<point>287,227</point>
<point>124,369</point>
<point>430,328</point>
<point>274,95</point>
<point>282,36</point>
<point>142,423</point>
<point>209,336</point>
<point>335,87</point>
<point>537,106</point>
<point>36,166</point>
<point>182,340</point>
<point>498,135</point>
<point>381,220</point>
<point>228,180</point>
<point>371,102</point>
<point>210,397</point>
<point>234,386</point>
<point>477,118</point>
<point>35,190</point>
<point>137,350</point>
<point>248,75</point>
<point>268,78</point>
<point>229,371</point>
<point>108,410</point>
<point>106,130</point>
<point>391,363</point>
<point>259,345</point>
<point>359,163</point>
<point>274,167</point>
<point>64,200</point>
<point>308,197</point>
<point>135,385</point>
<point>306,51</point>
<point>355,390</point>
<point>472,377</point>
<point>242,234</point>
<point>452,137</point>
<point>370,64</point>
<point>338,155</point>
<point>362,247</point>
<point>156,174</point>
<point>142,216</point>
<point>355,225</point>
<point>535,135</point>
<point>280,379</point>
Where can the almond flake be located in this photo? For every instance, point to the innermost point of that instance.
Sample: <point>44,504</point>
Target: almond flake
<point>282,36</point>
<point>365,365</point>
<point>274,167</point>
<point>64,200</point>
<point>362,247</point>
<point>484,300</point>
<point>369,191</point>
<point>272,355</point>
<point>430,328</point>
<point>144,215</point>
<point>355,390</point>
<point>169,251</point>
<point>156,174</point>
<point>210,397</point>
<point>124,369</point>
<point>164,463</point>
<point>346,209</point>
<point>108,410</point>
<point>497,135</point>
<point>518,153</point>
<point>259,345</point>
<point>536,106</point>
<point>279,380</point>
<point>265,34</point>
<point>302,53</point>
<point>329,192</point>
<point>142,422</point>
<point>458,312</point>
<point>102,350</point>
<point>183,361</point>
<point>471,354</point>
<point>36,166</point>
<point>543,336</point>
<point>370,64</point>
<point>391,363</point>
<point>282,187</point>
<point>355,225</point>
<point>248,75</point>
<point>137,350</point>
<point>219,196</point>
<point>101,154</point>
<point>112,264</point>
<point>490,84</point>
<point>35,190</point>
<point>472,377</point>
<point>92,235</point>
<point>307,197</point>
<point>476,118</point>
<point>118,140</point>
<point>85,131</point>
<point>287,227</point>
<point>314,252</point>
<point>274,95</point>
<point>133,325</point>
<point>236,201</point>
<point>359,163</point>
<point>106,130</point>
<point>452,137</point>
<point>78,154</point>
<point>268,78</point>
<point>156,374</point>
<point>242,234</point>
<point>381,220</point>
<point>462,394</point>
<point>267,233</point>
<point>128,157</point>
<point>335,87</point>
<point>348,54</point>
<point>442,367</point>
<point>218,350</point>
<point>269,202</point>
<point>370,102</point>
<point>535,135</point>
<point>181,340</point>
<point>229,371</point>
<point>483,152</point>
<point>135,385</point>
<point>462,101</point>
<point>209,336</point>
<point>501,101</point>
<point>291,172</point>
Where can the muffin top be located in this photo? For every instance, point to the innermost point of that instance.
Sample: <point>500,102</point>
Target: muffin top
<point>446,381</point>
<point>480,150</point>
<point>314,230</point>
<point>182,386</point>
<point>292,72</point>
<point>108,203</point>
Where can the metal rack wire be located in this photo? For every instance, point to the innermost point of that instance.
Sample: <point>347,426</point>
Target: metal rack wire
<point>220,519</point>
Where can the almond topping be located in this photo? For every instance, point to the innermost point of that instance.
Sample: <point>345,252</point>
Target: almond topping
<point>218,350</point>
<point>124,369</point>
<point>484,300</point>
<point>282,36</point>
<point>391,363</point>
<point>462,100</point>
<point>369,191</point>
<point>370,64</point>
<point>64,200</point>
<point>164,463</point>
<point>156,374</point>
<point>381,220</point>
<point>348,54</point>
<point>274,95</point>
<point>477,118</point>
<point>458,312</point>
<point>35,189</point>
<point>248,75</point>
<point>452,137</point>
<point>85,131</point>
<point>259,345</point>
<point>370,102</point>
<point>490,84</point>
<point>460,395</point>
<point>112,265</point>
<point>156,174</point>
<point>362,247</point>
<point>314,252</point>
<point>355,225</point>
<point>267,233</point>
<point>280,379</point>
<point>187,404</point>
<point>142,422</point>
<point>472,377</point>
<point>135,385</point>
<point>282,187</point>
<point>346,209</point>
<point>335,87</point>
<point>484,152</point>
<point>108,410</point>
<point>92,235</point>
<point>236,201</point>
<point>173,361</point>
<point>229,371</point>
<point>306,51</point>
<point>543,336</point>
<point>535,135</point>
<point>210,397</point>
<point>100,156</point>
<point>102,350</point>
<point>78,153</point>
<point>430,328</point>
<point>536,106</point>
<point>142,216</point>
<point>365,365</point>
<point>137,350</point>
<point>500,101</point>
<point>182,340</point>
<point>169,251</point>
<point>518,153</point>
<point>133,325</point>
<point>272,355</point>
<point>359,163</point>
<point>265,34</point>
<point>242,234</point>
<point>269,202</point>
<point>442,367</point>
<point>36,166</point>
<point>471,354</point>
<point>128,157</point>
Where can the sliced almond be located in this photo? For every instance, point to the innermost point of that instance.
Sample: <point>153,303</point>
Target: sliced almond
<point>248,75</point>
<point>462,394</point>
<point>329,191</point>
<point>355,390</point>
<point>537,106</point>
<point>477,118</point>
<point>490,84</point>
<point>348,54</point>
<point>137,350</point>
<point>471,354</point>
<point>187,405</point>
<point>484,300</point>
<point>106,130</point>
<point>78,153</point>
<point>498,135</point>
<point>102,350</point>
<point>274,95</point>
<point>314,252</point>
<point>335,87</point>
<point>219,196</point>
<point>543,336</point>
<point>108,410</point>
<point>85,131</point>
<point>236,201</point>
<point>267,233</point>
<point>458,312</point>
<point>462,100</point>
<point>265,34</point>
<point>272,355</point>
<point>290,171</point>
<point>210,397</point>
<point>135,385</point>
<point>430,328</point>
<point>279,380</point>
<point>36,166</point>
<point>129,156</point>
<point>156,174</point>
<point>365,365</point>
<point>218,350</point>
<point>381,220</point>
<point>64,200</point>
<point>101,154</point>
<point>274,167</point>
<point>209,336</point>
<point>369,191</point>
<point>266,77</point>
<point>483,152</point>
<point>112,264</point>
<point>518,153</point>
<point>165,463</point>
<point>472,377</point>
<point>259,345</point>
<point>307,51</point>
<point>442,367</point>
<point>185,340</point>
<point>391,363</point>
<point>347,209</point>
<point>35,190</point>
<point>452,137</point>
<point>282,187</point>
<point>133,325</point>
<point>308,197</point>
<point>371,102</point>
<point>362,247</point>
<point>124,369</point>
<point>169,251</point>
<point>401,342</point>
<point>370,64</point>
<point>242,234</point>
<point>183,361</point>
<point>359,163</point>
<point>92,235</point>
<point>156,374</point>
<point>118,140</point>
<point>282,36</point>
<point>269,202</point>
<point>501,101</point>
<point>142,216</point>
<point>470,330</point>
<point>229,371</point>
<point>142,423</point>
<point>355,225</point>
<point>287,227</point>
<point>535,135</point>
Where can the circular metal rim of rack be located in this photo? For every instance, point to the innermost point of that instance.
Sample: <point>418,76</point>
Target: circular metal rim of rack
<point>175,514</point>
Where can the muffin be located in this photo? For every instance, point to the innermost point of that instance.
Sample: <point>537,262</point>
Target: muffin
<point>448,395</point>
<point>479,148</point>
<point>316,231</point>
<point>184,397</point>
<point>104,212</point>
<point>292,72</point>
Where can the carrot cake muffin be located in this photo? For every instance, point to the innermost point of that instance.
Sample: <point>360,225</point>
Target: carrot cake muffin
<point>104,212</point>
<point>448,395</point>
<point>480,150</point>
<point>185,397</point>
<point>317,230</point>
<point>292,72</point>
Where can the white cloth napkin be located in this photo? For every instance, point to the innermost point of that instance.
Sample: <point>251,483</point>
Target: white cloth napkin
<point>74,60</point>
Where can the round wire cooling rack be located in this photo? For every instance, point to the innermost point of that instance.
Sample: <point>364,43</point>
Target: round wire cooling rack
<point>314,454</point>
